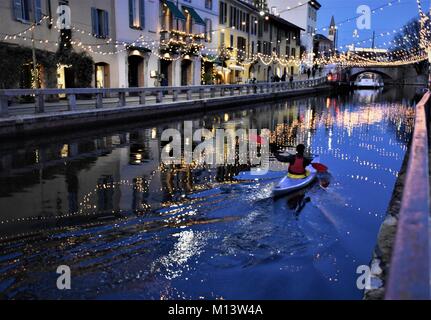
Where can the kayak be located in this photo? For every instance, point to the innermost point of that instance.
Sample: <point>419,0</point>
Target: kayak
<point>251,176</point>
<point>292,183</point>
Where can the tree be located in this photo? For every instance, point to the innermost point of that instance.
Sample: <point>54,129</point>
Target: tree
<point>81,63</point>
<point>409,40</point>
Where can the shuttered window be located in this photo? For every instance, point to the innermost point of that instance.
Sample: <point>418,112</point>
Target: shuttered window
<point>208,30</point>
<point>137,14</point>
<point>100,23</point>
<point>27,10</point>
<point>38,10</point>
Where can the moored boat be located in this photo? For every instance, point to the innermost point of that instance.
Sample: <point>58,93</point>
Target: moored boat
<point>368,80</point>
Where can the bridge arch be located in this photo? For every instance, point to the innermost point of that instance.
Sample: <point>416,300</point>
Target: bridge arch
<point>356,73</point>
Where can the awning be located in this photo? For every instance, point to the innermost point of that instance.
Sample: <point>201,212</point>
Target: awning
<point>194,14</point>
<point>174,10</point>
<point>236,68</point>
<point>131,50</point>
<point>221,69</point>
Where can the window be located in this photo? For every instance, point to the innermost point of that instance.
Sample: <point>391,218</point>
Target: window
<point>259,47</point>
<point>27,10</point>
<point>208,4</point>
<point>294,52</point>
<point>208,30</point>
<point>254,26</point>
<point>223,13</point>
<point>222,35</point>
<point>266,48</point>
<point>137,14</point>
<point>242,48</point>
<point>232,45</point>
<point>100,23</point>
<point>260,28</point>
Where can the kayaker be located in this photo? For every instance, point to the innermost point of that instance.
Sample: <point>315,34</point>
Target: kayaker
<point>298,162</point>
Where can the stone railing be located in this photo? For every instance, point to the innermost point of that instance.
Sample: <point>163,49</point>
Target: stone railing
<point>409,271</point>
<point>99,97</point>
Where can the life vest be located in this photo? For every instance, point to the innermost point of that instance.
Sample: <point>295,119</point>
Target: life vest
<point>298,166</point>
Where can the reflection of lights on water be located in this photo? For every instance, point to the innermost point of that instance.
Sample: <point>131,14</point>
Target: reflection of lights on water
<point>64,153</point>
<point>36,156</point>
<point>189,244</point>
<point>330,140</point>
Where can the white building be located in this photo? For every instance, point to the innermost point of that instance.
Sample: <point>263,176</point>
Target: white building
<point>156,27</point>
<point>132,42</point>
<point>135,23</point>
<point>303,14</point>
<point>184,25</point>
<point>91,27</point>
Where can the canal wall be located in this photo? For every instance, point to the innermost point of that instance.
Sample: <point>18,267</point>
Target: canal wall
<point>400,265</point>
<point>38,124</point>
<point>382,254</point>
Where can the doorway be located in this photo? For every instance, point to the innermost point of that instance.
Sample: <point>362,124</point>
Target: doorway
<point>186,72</point>
<point>269,75</point>
<point>166,70</point>
<point>65,78</point>
<point>102,75</point>
<point>136,71</point>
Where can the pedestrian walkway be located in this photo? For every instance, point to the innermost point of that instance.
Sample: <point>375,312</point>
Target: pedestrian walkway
<point>91,98</point>
<point>122,104</point>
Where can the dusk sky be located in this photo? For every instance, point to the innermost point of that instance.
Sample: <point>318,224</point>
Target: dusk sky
<point>386,20</point>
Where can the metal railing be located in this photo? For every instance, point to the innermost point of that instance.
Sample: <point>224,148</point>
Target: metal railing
<point>409,271</point>
<point>158,94</point>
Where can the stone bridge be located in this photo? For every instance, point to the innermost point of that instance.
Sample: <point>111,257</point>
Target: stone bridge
<point>390,75</point>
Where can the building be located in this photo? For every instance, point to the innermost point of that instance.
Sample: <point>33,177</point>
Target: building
<point>255,44</point>
<point>323,46</point>
<point>302,14</point>
<point>138,43</point>
<point>238,28</point>
<point>28,24</point>
<point>132,43</point>
<point>279,41</point>
<point>333,33</point>
<point>136,29</point>
<point>185,28</point>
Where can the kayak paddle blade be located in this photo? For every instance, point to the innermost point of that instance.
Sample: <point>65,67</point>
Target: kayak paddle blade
<point>321,168</point>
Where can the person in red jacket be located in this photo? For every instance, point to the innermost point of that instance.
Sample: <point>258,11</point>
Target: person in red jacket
<point>297,163</point>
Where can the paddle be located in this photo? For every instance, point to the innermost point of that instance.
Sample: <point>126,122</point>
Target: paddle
<point>320,168</point>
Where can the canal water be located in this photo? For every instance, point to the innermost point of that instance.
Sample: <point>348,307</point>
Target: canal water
<point>129,227</point>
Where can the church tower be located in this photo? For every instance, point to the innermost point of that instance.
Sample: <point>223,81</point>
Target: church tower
<point>333,33</point>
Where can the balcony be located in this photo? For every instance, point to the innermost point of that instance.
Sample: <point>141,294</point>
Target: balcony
<point>176,41</point>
